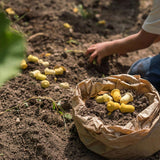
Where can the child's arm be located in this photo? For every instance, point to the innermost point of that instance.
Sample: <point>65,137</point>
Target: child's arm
<point>157,39</point>
<point>131,43</point>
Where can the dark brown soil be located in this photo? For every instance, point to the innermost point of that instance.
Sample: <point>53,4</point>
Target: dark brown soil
<point>29,126</point>
<point>93,108</point>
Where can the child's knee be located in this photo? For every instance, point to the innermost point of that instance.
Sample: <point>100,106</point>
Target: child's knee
<point>149,69</point>
<point>140,67</point>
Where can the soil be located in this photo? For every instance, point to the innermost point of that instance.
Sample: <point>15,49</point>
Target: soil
<point>30,126</point>
<point>92,108</point>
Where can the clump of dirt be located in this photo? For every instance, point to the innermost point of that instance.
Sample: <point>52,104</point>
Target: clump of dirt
<point>92,108</point>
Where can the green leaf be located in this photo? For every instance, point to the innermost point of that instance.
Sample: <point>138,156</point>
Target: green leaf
<point>54,106</point>
<point>68,116</point>
<point>94,62</point>
<point>82,11</point>
<point>4,22</point>
<point>12,48</point>
<point>60,112</point>
<point>8,110</point>
<point>38,100</point>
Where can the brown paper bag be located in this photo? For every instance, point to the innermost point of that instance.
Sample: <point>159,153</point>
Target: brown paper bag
<point>138,138</point>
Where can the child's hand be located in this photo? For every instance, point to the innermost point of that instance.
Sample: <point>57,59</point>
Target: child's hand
<point>99,51</point>
<point>137,41</point>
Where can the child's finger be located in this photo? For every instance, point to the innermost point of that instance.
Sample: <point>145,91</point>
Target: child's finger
<point>99,60</point>
<point>89,50</point>
<point>92,56</point>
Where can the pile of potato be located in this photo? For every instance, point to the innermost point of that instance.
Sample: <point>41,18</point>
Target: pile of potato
<point>115,101</point>
<point>58,70</point>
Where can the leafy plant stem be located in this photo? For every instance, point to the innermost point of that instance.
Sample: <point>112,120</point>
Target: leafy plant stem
<point>59,108</point>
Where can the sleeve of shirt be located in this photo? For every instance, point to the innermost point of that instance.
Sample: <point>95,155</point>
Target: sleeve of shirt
<point>152,23</point>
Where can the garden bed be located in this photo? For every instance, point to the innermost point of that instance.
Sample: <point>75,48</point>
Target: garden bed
<point>30,126</point>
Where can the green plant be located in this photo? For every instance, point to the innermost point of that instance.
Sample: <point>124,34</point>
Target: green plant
<point>12,48</point>
<point>62,112</point>
<point>71,41</point>
<point>94,62</point>
<point>82,11</point>
<point>85,13</point>
<point>55,106</point>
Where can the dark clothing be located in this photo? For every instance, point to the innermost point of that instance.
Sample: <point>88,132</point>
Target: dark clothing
<point>149,69</point>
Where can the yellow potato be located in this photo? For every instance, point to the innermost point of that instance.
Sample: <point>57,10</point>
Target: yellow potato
<point>67,25</point>
<point>75,10</point>
<point>49,71</point>
<point>107,98</point>
<point>34,73</point>
<point>126,98</point>
<point>64,85</point>
<point>10,11</point>
<point>44,63</point>
<point>99,99</point>
<point>115,93</point>
<point>45,83</point>
<point>127,108</point>
<point>23,64</point>
<point>40,76</point>
<point>32,58</point>
<point>102,22</point>
<point>112,106</point>
<point>59,71</point>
